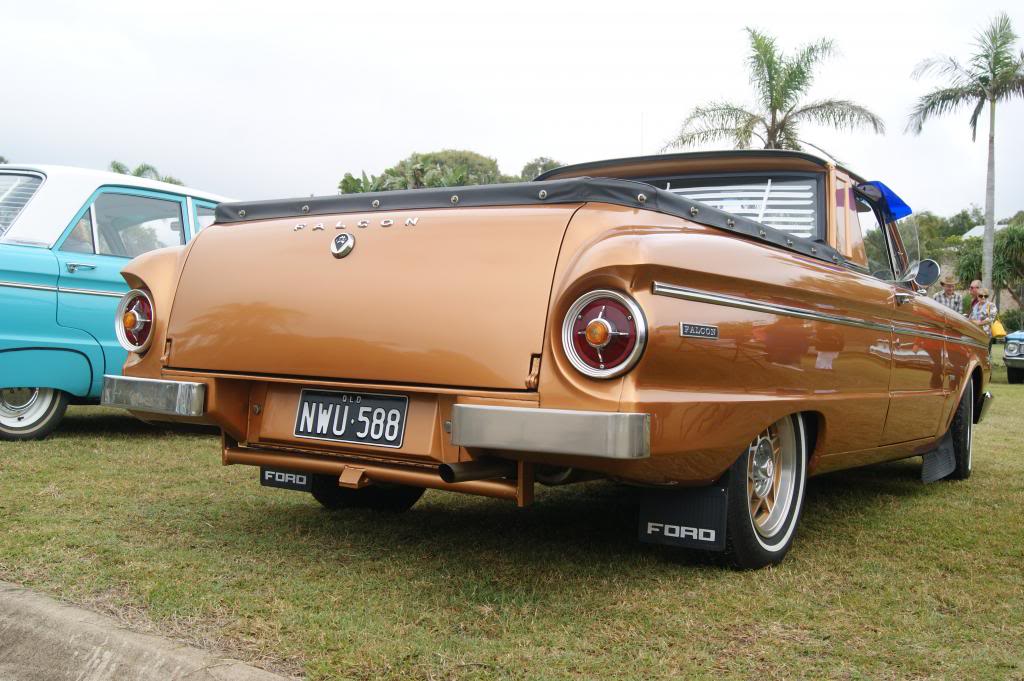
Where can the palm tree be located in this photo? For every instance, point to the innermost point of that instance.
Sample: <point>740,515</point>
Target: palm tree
<point>143,170</point>
<point>993,73</point>
<point>780,82</point>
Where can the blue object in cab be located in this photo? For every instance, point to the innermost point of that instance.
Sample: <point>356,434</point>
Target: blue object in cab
<point>65,235</point>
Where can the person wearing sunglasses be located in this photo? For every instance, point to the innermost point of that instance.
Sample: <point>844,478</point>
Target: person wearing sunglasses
<point>983,313</point>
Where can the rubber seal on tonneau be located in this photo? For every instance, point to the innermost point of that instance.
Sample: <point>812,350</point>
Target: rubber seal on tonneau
<point>627,193</point>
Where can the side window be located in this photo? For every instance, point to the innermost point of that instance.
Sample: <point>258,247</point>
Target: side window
<point>80,239</point>
<point>205,216</point>
<point>128,225</point>
<point>866,227</point>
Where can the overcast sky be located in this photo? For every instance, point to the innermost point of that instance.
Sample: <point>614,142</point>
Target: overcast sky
<point>264,102</point>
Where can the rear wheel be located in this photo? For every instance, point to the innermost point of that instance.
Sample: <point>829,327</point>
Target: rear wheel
<point>30,413</point>
<point>766,494</point>
<point>1015,374</point>
<point>962,432</point>
<point>379,497</point>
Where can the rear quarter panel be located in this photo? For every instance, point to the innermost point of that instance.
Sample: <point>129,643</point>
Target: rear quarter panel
<point>34,350</point>
<point>710,397</point>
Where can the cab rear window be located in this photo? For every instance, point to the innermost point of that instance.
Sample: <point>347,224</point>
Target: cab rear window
<point>15,191</point>
<point>790,202</point>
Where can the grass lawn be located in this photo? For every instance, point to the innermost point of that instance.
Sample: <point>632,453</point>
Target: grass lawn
<point>888,578</point>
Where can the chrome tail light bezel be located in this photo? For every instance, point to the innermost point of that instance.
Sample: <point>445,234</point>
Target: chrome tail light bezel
<point>639,320</point>
<point>122,307</point>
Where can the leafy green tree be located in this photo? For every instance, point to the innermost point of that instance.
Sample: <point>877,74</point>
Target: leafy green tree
<point>780,82</point>
<point>1008,261</point>
<point>992,74</point>
<point>142,170</point>
<point>445,168</point>
<point>1016,221</point>
<point>536,167</point>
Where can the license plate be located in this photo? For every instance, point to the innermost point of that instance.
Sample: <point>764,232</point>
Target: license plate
<point>358,418</point>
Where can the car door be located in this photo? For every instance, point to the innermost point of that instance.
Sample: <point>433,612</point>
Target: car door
<point>115,226</point>
<point>916,389</point>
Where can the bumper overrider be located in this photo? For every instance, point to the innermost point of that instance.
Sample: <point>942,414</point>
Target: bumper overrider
<point>605,435</point>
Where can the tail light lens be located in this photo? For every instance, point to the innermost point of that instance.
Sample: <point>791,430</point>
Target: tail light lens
<point>134,321</point>
<point>604,334</point>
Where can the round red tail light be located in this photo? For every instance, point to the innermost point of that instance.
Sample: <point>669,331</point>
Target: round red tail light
<point>604,333</point>
<point>134,321</point>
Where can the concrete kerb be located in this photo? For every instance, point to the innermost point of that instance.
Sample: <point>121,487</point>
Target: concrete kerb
<point>44,640</point>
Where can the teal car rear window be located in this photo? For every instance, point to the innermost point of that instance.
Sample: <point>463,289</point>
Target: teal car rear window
<point>15,192</point>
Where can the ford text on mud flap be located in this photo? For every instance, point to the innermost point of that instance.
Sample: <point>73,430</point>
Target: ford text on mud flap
<point>300,482</point>
<point>691,517</point>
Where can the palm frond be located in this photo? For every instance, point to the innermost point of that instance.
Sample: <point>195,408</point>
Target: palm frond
<point>974,118</point>
<point>838,113</point>
<point>947,68</point>
<point>994,46</point>
<point>938,102</point>
<point>764,62</point>
<point>119,168</point>
<point>798,72</point>
<point>147,171</point>
<point>715,121</point>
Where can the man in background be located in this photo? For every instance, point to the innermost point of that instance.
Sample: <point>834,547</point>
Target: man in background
<point>973,302</point>
<point>948,295</point>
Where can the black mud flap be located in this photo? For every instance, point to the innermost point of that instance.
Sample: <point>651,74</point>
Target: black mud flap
<point>300,482</point>
<point>692,517</point>
<point>940,462</point>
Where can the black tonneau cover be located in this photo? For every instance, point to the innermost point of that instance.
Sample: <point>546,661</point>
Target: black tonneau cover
<point>574,190</point>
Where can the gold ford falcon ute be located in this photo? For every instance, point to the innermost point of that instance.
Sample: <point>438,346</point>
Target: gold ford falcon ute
<point>714,327</point>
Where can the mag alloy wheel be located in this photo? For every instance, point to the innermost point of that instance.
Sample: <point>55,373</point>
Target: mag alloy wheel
<point>771,477</point>
<point>27,413</point>
<point>765,494</point>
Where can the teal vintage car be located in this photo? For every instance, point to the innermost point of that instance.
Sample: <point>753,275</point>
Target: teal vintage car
<point>1013,357</point>
<point>65,234</point>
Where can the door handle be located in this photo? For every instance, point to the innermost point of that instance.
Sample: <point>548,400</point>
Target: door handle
<point>903,298</point>
<point>75,266</point>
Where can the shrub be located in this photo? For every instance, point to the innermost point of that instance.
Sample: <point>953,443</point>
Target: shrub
<point>1013,320</point>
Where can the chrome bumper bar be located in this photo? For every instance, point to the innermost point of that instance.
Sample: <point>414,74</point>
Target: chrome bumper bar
<point>152,396</point>
<point>606,435</point>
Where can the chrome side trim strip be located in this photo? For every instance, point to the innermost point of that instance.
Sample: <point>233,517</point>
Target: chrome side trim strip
<point>153,396</point>
<point>32,287</point>
<point>91,292</point>
<point>605,435</point>
<point>694,295</point>
<point>758,306</point>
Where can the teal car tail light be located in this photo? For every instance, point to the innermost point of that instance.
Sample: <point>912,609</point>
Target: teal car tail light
<point>134,321</point>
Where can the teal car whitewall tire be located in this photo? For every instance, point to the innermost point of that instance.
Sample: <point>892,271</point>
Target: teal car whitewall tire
<point>30,413</point>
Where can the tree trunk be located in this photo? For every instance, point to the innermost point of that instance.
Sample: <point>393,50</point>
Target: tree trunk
<point>990,200</point>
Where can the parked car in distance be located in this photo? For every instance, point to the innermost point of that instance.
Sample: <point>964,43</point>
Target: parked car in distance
<point>1013,357</point>
<point>714,327</point>
<point>65,234</point>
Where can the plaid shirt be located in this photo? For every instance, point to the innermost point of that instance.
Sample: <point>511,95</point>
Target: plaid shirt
<point>954,302</point>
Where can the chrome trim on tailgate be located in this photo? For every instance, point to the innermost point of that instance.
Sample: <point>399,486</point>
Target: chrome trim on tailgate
<point>152,396</point>
<point>606,435</point>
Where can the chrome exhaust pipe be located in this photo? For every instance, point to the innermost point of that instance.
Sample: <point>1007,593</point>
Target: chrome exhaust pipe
<point>481,469</point>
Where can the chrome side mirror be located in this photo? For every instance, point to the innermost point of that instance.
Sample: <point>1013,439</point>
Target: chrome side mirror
<point>924,273</point>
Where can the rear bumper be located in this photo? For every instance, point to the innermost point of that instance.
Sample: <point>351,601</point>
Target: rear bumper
<point>153,396</point>
<point>606,435</point>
